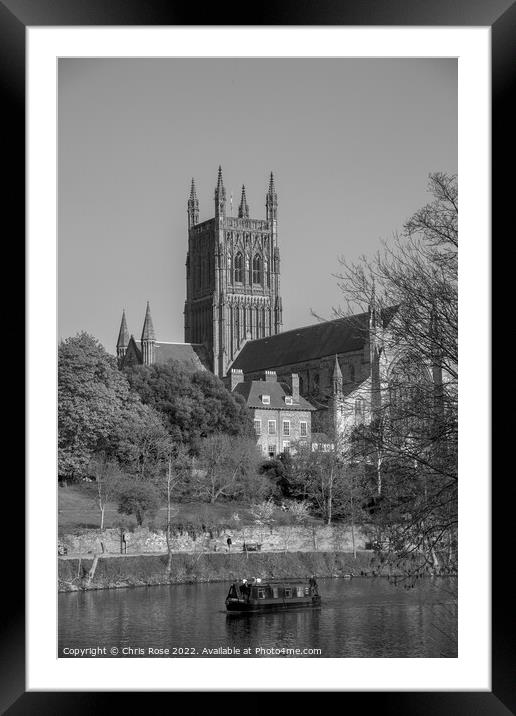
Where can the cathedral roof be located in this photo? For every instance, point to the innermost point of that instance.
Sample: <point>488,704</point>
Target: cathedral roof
<point>191,355</point>
<point>252,391</point>
<point>328,338</point>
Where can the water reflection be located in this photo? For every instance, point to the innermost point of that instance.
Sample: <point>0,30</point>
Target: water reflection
<point>358,618</point>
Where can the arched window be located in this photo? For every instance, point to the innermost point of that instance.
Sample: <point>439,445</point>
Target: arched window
<point>239,268</point>
<point>257,269</point>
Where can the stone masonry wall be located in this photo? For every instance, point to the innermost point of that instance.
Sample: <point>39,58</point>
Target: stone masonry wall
<point>277,539</point>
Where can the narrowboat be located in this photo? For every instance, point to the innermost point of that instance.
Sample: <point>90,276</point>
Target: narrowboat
<point>259,595</point>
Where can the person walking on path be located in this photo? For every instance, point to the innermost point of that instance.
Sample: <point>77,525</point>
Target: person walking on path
<point>229,543</point>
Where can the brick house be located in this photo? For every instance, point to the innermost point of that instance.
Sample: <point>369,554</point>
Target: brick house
<point>282,417</point>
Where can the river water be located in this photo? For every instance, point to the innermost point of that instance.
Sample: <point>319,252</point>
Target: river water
<point>360,617</point>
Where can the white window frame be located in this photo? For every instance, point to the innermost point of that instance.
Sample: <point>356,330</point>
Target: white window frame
<point>269,422</point>
<point>258,426</point>
<point>305,423</point>
<point>289,400</point>
<point>287,431</point>
<point>266,399</point>
<point>286,445</point>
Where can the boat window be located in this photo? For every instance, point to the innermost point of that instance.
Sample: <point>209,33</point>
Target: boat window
<point>275,592</point>
<point>261,593</point>
<point>288,591</point>
<point>300,591</point>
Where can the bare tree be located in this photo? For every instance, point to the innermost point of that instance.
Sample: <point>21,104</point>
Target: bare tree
<point>224,461</point>
<point>409,444</point>
<point>107,482</point>
<point>263,514</point>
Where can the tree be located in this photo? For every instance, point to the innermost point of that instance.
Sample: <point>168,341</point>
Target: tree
<point>195,405</point>
<point>107,482</point>
<point>319,473</point>
<point>178,465</point>
<point>224,461</point>
<point>279,472</point>
<point>263,514</point>
<point>97,411</point>
<point>410,290</point>
<point>138,498</point>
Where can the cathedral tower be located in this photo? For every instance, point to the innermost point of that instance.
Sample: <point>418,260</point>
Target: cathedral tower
<point>232,276</point>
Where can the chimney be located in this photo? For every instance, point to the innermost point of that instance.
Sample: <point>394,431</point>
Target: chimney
<point>295,387</point>
<point>237,376</point>
<point>270,376</point>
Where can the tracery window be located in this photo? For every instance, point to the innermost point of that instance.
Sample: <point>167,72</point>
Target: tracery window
<point>257,269</point>
<point>239,268</point>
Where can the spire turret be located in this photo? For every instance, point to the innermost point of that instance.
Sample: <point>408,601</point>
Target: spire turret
<point>220,196</point>
<point>148,338</point>
<point>148,329</point>
<point>123,335</point>
<point>123,339</point>
<point>193,207</point>
<point>243,209</point>
<point>271,201</point>
<point>337,377</point>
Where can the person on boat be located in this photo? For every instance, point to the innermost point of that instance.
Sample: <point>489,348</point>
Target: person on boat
<point>313,582</point>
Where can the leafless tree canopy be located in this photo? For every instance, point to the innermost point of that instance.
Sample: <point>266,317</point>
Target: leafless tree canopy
<point>411,444</point>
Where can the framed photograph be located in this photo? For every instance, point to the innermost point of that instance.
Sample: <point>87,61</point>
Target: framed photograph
<point>225,207</point>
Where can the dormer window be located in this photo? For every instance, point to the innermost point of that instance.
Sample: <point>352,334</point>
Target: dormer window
<point>289,400</point>
<point>266,399</point>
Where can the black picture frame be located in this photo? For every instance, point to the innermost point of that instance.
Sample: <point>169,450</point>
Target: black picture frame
<point>500,15</point>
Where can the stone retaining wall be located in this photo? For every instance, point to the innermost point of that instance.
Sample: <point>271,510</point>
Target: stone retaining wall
<point>335,538</point>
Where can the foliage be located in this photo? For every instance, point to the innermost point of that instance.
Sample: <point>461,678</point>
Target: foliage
<point>263,512</point>
<point>138,498</point>
<point>279,473</point>
<point>195,405</point>
<point>98,412</point>
<point>299,510</point>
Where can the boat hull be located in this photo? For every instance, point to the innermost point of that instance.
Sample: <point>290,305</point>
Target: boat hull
<point>237,606</point>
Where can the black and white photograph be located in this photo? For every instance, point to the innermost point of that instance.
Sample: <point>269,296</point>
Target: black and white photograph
<point>258,358</point>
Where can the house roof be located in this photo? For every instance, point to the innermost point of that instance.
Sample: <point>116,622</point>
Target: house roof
<point>252,391</point>
<point>319,340</point>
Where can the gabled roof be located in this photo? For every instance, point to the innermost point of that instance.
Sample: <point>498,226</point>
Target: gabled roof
<point>191,355</point>
<point>328,338</point>
<point>252,391</point>
<point>133,354</point>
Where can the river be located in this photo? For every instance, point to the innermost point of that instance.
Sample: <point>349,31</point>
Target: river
<point>359,617</point>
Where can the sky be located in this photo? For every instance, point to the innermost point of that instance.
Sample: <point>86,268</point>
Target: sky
<point>350,141</point>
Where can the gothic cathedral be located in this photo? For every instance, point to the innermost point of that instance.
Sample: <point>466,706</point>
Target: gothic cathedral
<point>232,277</point>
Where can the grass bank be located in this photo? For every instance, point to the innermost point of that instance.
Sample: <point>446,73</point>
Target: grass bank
<point>77,511</point>
<point>144,570</point>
